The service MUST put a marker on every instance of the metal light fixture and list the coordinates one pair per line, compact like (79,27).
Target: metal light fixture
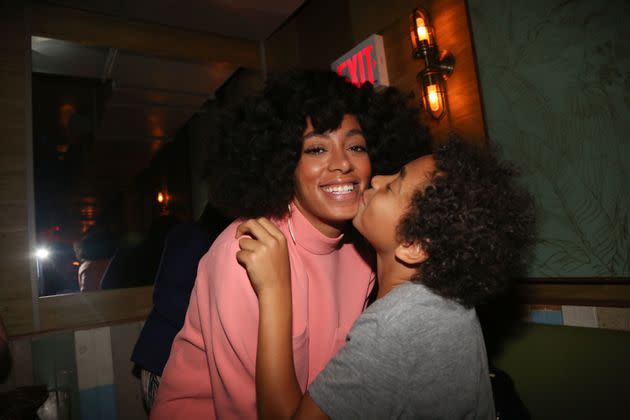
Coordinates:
(164,198)
(422,35)
(437,66)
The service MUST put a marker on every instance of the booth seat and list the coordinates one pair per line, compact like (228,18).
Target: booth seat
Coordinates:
(569,372)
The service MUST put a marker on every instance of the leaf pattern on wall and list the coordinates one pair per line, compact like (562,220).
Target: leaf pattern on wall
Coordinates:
(555,77)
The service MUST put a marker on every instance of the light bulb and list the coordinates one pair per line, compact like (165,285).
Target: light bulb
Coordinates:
(423,34)
(434,97)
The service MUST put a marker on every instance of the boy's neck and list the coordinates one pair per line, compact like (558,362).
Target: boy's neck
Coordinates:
(391,273)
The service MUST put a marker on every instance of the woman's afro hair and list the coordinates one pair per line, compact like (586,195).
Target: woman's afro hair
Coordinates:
(257,144)
(475,222)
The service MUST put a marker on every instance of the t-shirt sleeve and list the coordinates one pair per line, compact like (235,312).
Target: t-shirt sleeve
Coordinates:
(353,383)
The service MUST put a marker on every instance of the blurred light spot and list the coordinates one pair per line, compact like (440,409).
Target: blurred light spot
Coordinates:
(42,253)
(65,113)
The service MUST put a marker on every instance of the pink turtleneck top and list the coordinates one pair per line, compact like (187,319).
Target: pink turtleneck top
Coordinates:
(211,370)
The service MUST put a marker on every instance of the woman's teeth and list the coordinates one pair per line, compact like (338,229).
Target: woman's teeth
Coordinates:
(339,189)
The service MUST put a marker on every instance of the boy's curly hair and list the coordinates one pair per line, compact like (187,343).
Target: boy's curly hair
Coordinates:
(475,222)
(258,144)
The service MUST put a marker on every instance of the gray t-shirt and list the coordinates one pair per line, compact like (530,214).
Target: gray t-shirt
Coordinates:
(411,355)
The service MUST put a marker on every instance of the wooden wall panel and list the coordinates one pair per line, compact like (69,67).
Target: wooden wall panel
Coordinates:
(141,37)
(13,174)
(21,372)
(402,68)
(282,48)
(94,308)
(314,37)
(324,32)
(451,23)
(17,314)
(611,295)
(370,16)
(389,19)
(15,282)
(14,259)
(355,20)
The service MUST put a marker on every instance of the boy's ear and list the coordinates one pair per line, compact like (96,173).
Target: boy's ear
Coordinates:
(412,253)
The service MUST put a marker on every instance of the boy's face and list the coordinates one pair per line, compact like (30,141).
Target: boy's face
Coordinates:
(383,205)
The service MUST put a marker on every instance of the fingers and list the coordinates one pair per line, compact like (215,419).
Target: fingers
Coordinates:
(262,244)
(262,229)
(253,228)
(271,229)
(248,244)
(243,257)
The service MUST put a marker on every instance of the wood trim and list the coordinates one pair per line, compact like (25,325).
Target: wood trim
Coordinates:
(91,309)
(30,180)
(592,294)
(577,280)
(16,297)
(141,37)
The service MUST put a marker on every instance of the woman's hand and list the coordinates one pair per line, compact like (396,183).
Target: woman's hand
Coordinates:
(264,254)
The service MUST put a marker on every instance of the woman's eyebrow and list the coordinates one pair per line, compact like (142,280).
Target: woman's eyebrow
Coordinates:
(350,133)
(354,132)
(312,134)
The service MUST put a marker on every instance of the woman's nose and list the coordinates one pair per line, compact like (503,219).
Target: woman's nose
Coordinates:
(339,161)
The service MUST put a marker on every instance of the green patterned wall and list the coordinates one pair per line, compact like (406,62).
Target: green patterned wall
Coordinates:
(555,81)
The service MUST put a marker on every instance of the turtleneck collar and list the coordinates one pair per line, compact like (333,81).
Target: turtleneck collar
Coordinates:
(308,237)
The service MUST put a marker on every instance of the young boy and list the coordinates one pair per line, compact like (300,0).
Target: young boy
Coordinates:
(449,232)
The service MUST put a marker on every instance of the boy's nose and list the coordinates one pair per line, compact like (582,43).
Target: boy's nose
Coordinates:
(377,181)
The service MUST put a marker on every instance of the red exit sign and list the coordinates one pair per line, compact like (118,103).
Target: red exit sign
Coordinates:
(364,63)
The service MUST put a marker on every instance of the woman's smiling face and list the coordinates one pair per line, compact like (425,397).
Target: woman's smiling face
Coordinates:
(383,205)
(331,175)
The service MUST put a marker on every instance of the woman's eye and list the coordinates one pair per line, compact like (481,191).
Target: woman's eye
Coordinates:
(314,150)
(358,148)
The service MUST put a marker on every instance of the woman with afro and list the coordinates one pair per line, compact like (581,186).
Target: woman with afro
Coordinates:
(300,154)
(450,230)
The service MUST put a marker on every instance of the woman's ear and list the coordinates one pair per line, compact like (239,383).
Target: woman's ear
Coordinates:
(411,253)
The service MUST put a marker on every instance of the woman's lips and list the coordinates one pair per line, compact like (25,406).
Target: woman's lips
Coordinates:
(342,191)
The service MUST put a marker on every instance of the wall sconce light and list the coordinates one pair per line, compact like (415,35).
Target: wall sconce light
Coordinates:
(437,66)
(163,198)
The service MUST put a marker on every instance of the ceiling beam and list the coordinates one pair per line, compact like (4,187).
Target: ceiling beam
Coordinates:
(144,38)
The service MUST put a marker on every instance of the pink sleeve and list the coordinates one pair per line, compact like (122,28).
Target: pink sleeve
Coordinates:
(200,377)
(233,319)
(185,391)
(234,327)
